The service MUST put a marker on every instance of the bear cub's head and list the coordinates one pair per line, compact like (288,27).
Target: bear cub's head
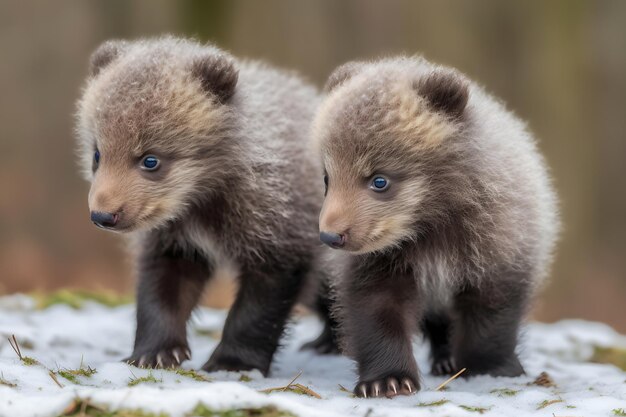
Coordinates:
(153,126)
(386,131)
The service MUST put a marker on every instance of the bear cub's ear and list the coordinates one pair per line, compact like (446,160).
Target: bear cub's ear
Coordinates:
(217,74)
(446,90)
(104,55)
(343,73)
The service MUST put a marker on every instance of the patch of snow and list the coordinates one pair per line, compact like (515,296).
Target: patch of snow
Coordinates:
(97,336)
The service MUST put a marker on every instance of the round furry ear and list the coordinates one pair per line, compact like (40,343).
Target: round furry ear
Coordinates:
(104,55)
(217,74)
(342,73)
(446,91)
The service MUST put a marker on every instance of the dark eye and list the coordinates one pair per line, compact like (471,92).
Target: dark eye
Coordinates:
(150,163)
(379,183)
(325,184)
(95,161)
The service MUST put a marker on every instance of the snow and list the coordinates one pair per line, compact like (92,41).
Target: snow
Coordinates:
(60,337)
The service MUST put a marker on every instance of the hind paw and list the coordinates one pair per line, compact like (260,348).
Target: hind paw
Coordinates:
(443,366)
(322,346)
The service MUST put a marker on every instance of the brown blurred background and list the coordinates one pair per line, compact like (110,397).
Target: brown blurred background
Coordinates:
(561,65)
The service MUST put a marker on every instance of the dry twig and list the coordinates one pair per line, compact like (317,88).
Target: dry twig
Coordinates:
(15,346)
(293,387)
(293,380)
(55,379)
(452,378)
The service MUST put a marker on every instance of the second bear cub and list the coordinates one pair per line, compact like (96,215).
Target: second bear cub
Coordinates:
(445,207)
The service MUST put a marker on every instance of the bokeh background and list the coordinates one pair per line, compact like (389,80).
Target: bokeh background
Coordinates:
(561,65)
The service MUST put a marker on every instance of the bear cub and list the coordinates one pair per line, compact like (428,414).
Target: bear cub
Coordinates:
(445,217)
(203,162)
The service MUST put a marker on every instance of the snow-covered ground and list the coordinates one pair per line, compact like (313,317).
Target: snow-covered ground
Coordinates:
(61,338)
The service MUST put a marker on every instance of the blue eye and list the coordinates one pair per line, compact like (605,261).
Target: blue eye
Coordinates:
(96,157)
(150,163)
(379,184)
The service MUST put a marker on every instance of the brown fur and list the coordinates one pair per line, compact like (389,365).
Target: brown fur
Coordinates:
(458,242)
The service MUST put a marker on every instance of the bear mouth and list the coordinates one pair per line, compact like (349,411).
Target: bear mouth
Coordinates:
(116,229)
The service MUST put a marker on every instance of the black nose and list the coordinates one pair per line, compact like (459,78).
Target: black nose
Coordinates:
(103,219)
(334,240)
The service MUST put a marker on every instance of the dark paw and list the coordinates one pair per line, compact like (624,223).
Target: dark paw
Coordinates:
(164,358)
(231,364)
(388,387)
(509,367)
(237,358)
(323,345)
(443,366)
(512,368)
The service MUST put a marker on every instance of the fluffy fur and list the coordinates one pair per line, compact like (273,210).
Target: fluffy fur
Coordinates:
(237,187)
(457,244)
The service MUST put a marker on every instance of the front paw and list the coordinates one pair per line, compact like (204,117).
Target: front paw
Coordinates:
(387,387)
(159,358)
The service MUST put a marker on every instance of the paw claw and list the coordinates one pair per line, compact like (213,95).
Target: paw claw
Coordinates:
(406,383)
(376,389)
(393,385)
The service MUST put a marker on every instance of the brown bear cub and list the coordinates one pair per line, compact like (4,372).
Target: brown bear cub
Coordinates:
(445,210)
(203,161)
